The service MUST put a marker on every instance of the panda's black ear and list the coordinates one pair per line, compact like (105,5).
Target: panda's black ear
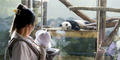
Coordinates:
(60,25)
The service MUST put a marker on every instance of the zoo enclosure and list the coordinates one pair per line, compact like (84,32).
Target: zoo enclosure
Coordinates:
(101,21)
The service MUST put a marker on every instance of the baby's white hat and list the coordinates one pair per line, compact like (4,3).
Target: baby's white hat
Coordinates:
(43,38)
(39,32)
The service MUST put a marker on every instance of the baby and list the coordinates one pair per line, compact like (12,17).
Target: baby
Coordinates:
(43,38)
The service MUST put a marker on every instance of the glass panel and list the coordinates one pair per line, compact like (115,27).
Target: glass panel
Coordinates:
(74,48)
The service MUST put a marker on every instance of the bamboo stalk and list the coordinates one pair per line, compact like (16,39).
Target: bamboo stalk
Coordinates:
(77,12)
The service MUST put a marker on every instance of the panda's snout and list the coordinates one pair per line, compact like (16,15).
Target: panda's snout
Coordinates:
(69,27)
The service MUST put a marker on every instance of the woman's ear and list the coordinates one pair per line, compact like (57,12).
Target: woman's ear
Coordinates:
(30,27)
(27,29)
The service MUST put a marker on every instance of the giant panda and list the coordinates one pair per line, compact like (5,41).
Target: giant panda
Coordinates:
(73,24)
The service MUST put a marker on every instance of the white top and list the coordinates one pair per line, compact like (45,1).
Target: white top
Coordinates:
(21,51)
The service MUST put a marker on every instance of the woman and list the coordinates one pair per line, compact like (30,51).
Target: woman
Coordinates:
(21,45)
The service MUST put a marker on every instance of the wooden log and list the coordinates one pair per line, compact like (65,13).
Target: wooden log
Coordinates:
(112,35)
(111,24)
(83,28)
(94,8)
(77,12)
(108,24)
(112,19)
(101,17)
(82,34)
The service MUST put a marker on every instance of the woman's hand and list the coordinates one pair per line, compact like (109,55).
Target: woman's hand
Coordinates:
(43,53)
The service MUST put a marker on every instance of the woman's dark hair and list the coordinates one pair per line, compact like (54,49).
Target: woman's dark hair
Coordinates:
(23,17)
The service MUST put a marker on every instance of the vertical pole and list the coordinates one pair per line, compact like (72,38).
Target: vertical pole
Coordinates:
(41,14)
(35,9)
(101,21)
(45,13)
(101,17)
(25,2)
(30,4)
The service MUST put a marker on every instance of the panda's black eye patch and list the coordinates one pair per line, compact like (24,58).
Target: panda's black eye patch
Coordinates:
(66,24)
(60,25)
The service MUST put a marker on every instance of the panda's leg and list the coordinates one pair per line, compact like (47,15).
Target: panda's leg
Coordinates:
(76,28)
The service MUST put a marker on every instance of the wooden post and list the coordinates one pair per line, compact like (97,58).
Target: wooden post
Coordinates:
(45,13)
(77,12)
(110,38)
(36,15)
(36,5)
(101,17)
(30,4)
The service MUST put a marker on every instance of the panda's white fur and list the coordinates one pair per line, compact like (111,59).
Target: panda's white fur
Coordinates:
(81,22)
(68,25)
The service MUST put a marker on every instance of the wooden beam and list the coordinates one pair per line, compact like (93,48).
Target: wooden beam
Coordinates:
(101,17)
(94,8)
(110,38)
(80,34)
(112,19)
(111,24)
(108,24)
(72,33)
(77,12)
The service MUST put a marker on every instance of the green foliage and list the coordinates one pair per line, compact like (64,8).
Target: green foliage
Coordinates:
(5,24)
(77,46)
(80,45)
